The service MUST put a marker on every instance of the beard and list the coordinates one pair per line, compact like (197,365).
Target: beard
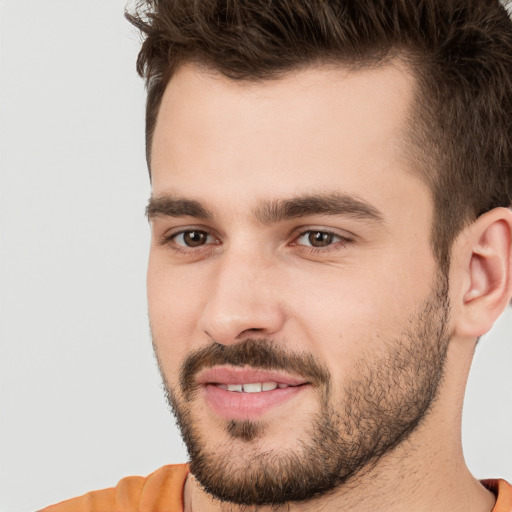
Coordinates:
(383,402)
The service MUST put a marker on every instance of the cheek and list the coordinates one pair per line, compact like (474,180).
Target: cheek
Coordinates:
(172,290)
(173,306)
(357,312)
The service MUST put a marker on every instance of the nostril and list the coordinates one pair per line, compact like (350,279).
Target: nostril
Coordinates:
(250,331)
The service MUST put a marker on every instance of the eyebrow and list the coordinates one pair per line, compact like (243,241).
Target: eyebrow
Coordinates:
(317,204)
(170,206)
(274,211)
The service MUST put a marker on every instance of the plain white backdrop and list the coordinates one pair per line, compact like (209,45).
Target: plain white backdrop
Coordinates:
(81,404)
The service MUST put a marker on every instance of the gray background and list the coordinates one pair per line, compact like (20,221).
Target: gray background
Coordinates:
(80,398)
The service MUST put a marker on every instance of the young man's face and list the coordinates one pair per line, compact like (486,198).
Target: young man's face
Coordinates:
(296,308)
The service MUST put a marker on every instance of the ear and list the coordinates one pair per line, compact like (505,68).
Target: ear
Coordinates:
(485,257)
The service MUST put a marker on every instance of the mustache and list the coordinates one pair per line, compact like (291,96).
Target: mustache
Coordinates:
(263,354)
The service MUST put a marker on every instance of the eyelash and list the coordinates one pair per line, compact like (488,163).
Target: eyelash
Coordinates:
(169,241)
(332,246)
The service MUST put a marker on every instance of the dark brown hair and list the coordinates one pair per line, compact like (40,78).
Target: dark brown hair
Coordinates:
(459,50)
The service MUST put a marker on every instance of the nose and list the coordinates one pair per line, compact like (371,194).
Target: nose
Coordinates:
(243,300)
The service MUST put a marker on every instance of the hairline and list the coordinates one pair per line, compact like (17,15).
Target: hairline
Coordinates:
(390,58)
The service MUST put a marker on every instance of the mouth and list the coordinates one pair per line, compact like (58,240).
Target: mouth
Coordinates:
(253,387)
(247,393)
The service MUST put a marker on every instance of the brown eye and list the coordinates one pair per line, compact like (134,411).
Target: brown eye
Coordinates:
(192,238)
(317,239)
(320,238)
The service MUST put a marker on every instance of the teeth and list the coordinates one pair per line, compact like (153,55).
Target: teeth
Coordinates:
(253,387)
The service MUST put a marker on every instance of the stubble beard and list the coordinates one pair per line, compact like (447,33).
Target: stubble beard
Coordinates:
(382,405)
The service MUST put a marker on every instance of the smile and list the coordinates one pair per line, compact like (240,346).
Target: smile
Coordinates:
(246,393)
(253,387)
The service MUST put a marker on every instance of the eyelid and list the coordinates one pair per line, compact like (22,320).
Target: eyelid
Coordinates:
(341,241)
(169,235)
(176,236)
(334,235)
(344,235)
(167,238)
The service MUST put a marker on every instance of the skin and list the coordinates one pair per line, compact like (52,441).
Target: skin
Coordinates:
(235,146)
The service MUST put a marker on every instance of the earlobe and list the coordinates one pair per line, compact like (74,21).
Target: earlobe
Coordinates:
(488,267)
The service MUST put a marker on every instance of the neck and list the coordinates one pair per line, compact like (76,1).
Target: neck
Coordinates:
(426,473)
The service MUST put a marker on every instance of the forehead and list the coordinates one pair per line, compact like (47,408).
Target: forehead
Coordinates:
(324,127)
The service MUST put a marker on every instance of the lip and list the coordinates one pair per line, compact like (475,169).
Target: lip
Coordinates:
(232,405)
(243,375)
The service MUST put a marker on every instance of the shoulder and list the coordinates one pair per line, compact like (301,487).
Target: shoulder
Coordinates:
(503,492)
(160,491)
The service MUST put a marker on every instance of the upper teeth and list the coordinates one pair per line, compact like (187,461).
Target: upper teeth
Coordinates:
(254,387)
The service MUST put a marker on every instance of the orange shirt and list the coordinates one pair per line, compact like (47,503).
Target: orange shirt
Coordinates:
(162,491)
(503,492)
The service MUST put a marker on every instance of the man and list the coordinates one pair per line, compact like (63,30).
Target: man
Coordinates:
(331,234)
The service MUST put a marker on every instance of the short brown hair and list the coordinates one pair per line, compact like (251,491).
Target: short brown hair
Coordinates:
(459,50)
